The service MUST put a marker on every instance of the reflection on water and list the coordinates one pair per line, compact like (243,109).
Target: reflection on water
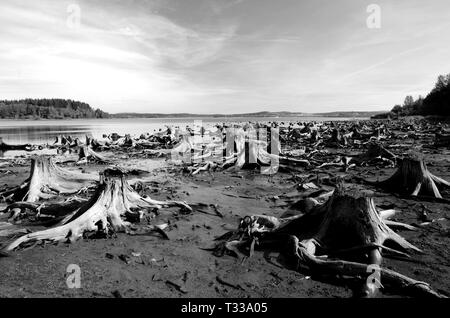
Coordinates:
(19,153)
(43,132)
(39,134)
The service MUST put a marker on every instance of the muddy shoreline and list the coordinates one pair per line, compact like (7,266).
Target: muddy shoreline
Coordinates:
(150,266)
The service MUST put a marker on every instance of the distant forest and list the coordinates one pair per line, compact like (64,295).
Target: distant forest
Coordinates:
(249,115)
(436,103)
(48,109)
(62,108)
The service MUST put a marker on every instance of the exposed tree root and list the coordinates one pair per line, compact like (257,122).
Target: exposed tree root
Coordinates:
(111,208)
(388,278)
(347,225)
(18,210)
(413,178)
(86,155)
(47,180)
(8,230)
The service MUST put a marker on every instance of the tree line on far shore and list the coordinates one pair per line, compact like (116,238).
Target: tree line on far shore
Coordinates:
(48,109)
(436,103)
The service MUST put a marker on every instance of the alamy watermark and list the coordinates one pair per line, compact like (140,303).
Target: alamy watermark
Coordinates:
(74,16)
(73,280)
(374,19)
(374,279)
(250,145)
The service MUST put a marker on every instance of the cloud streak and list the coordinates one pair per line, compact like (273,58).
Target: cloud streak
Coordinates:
(210,56)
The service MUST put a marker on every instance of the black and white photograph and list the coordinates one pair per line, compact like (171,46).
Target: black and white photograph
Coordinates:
(218,150)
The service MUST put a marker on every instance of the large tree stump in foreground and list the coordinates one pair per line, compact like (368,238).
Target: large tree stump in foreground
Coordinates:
(111,208)
(47,180)
(413,178)
(346,236)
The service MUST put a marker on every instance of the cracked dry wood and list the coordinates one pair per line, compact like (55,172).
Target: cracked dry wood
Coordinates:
(108,210)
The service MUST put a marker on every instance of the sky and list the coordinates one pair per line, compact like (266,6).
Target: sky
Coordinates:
(223,56)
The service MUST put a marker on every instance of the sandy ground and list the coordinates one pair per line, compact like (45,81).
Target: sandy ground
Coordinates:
(149,266)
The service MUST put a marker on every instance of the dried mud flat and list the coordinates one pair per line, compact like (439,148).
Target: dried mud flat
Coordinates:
(150,266)
(178,267)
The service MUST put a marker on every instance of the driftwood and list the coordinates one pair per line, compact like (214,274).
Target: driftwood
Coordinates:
(47,180)
(345,236)
(114,205)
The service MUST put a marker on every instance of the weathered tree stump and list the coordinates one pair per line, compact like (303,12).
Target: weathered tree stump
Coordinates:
(344,236)
(110,209)
(47,180)
(375,152)
(86,154)
(413,178)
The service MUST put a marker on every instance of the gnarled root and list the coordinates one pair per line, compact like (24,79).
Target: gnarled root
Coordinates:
(382,277)
(347,226)
(110,208)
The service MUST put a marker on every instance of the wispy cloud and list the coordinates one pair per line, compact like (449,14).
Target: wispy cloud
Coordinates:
(222,55)
(386,61)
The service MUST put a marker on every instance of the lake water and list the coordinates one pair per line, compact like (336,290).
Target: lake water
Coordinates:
(45,131)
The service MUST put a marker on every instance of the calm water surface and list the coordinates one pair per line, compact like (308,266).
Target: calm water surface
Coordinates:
(45,131)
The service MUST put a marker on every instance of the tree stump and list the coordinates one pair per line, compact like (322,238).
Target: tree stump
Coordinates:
(108,210)
(345,236)
(47,180)
(413,178)
(86,155)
